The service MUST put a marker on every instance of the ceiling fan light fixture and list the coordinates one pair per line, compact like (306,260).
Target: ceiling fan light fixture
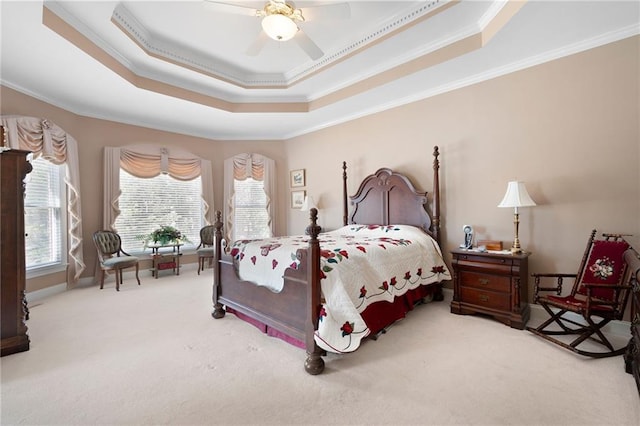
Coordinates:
(279,27)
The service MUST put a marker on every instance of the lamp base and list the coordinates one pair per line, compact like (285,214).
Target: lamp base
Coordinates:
(515,247)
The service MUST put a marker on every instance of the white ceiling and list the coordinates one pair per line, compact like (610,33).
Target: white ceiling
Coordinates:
(194,77)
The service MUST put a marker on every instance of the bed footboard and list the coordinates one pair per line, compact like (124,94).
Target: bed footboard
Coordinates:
(294,311)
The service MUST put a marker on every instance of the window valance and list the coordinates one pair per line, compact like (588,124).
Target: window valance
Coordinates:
(147,161)
(44,138)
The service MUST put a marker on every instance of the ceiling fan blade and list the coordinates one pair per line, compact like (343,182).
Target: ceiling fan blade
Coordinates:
(258,44)
(232,8)
(327,11)
(308,45)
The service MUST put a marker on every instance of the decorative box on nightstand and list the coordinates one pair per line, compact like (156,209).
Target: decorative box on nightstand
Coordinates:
(493,284)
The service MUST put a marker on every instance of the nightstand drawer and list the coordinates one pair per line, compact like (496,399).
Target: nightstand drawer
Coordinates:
(487,299)
(485,281)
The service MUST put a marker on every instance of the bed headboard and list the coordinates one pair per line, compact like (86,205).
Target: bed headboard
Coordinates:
(387,197)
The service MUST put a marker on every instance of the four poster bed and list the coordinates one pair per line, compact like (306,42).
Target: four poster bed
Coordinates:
(326,292)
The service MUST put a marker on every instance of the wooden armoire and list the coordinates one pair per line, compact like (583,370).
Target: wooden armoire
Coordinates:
(14,167)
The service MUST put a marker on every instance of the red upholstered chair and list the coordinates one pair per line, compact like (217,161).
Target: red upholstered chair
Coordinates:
(599,295)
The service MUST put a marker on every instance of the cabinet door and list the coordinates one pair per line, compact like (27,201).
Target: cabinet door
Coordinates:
(13,169)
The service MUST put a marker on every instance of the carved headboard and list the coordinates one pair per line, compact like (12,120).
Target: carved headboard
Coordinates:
(387,198)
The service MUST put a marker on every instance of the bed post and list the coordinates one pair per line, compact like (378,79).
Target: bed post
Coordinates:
(345,214)
(314,363)
(436,194)
(438,295)
(218,312)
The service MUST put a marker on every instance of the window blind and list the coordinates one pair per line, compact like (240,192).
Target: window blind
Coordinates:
(43,219)
(148,203)
(251,217)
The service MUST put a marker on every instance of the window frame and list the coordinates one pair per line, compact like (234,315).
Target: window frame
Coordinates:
(61,266)
(265,225)
(187,247)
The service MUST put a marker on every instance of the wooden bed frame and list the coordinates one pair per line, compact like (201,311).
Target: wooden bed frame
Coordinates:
(383,198)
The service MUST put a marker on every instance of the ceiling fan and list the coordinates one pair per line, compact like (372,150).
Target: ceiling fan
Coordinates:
(281,20)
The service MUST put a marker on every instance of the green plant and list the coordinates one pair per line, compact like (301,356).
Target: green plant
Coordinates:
(164,235)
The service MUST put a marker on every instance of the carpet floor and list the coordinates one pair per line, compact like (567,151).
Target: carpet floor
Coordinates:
(153,355)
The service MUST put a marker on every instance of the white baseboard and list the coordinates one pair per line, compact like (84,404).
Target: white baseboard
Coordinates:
(618,328)
(37,295)
(539,315)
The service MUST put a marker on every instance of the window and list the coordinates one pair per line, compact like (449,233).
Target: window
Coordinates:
(250,197)
(251,217)
(45,216)
(147,203)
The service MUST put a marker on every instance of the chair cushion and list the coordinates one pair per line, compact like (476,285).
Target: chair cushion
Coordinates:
(205,252)
(120,262)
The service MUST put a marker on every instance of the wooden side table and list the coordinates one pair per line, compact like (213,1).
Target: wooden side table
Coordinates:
(163,260)
(493,284)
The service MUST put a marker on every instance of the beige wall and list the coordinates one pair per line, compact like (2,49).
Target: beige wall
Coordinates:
(93,134)
(568,128)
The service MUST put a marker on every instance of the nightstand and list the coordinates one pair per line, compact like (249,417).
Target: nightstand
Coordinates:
(493,284)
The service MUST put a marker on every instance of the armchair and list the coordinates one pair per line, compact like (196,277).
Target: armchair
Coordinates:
(112,257)
(205,248)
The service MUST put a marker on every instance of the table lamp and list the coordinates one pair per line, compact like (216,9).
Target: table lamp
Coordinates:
(516,196)
(308,204)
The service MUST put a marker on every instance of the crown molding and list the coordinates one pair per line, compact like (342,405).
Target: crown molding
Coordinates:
(168,51)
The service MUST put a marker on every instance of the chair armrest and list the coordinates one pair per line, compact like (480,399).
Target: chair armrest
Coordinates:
(558,287)
(610,286)
(555,275)
(123,252)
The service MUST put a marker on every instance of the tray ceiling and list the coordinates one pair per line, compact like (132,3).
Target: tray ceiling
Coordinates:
(183,66)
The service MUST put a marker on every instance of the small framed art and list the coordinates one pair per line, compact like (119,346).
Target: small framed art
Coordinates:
(297,199)
(297,178)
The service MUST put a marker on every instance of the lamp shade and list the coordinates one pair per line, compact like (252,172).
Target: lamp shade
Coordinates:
(279,27)
(516,196)
(308,204)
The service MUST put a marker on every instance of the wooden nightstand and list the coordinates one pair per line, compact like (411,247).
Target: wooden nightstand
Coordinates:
(492,284)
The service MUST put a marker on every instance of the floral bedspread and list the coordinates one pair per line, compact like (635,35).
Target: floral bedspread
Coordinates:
(360,265)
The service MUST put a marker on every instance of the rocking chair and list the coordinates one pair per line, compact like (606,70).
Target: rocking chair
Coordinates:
(599,295)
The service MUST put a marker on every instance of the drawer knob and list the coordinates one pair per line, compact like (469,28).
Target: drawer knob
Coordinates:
(483,281)
(484,298)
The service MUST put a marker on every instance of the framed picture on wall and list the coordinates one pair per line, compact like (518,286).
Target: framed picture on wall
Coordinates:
(297,198)
(297,178)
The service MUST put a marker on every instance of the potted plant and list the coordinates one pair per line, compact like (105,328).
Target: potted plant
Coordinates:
(163,236)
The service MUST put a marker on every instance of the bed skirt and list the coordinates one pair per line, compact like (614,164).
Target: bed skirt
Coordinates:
(377,316)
